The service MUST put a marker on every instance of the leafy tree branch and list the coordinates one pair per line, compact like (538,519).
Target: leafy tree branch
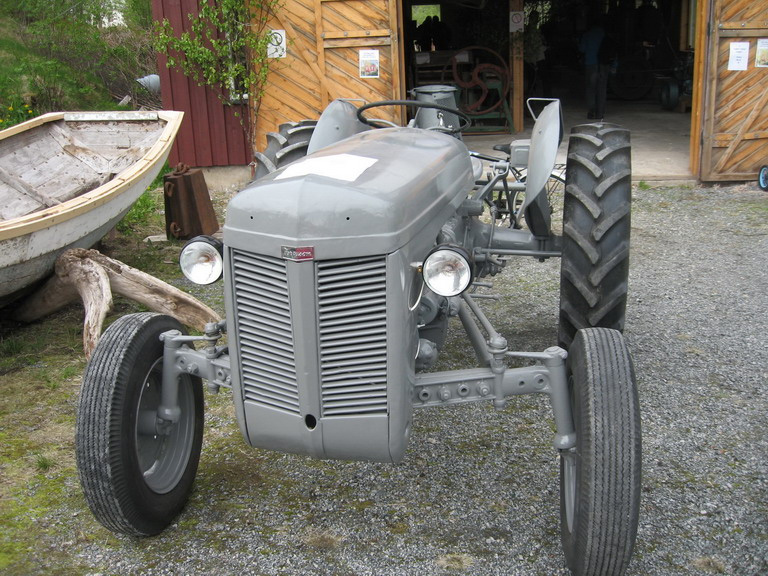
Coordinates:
(224,48)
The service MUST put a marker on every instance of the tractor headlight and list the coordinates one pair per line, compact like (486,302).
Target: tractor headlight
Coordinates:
(201,260)
(447,270)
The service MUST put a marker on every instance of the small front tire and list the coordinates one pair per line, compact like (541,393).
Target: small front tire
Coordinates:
(136,478)
(600,477)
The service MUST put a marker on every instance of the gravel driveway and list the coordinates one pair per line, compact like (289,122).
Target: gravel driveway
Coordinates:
(478,491)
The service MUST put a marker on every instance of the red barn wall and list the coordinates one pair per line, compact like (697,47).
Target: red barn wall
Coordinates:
(211,133)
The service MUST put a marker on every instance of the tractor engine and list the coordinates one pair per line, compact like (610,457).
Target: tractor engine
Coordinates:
(322,290)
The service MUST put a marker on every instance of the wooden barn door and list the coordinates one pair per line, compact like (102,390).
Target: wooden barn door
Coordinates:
(735,121)
(351,29)
(335,49)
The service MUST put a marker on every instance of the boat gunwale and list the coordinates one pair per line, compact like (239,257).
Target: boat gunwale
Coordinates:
(47,217)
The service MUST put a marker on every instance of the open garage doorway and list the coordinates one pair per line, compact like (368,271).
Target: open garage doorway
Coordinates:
(468,44)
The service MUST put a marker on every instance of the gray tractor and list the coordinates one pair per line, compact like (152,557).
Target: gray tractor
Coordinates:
(342,265)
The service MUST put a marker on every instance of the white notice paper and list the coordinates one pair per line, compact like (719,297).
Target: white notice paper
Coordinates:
(738,58)
(516,22)
(277,47)
(346,167)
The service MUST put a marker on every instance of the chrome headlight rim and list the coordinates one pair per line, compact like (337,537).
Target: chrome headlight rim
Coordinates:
(438,265)
(202,260)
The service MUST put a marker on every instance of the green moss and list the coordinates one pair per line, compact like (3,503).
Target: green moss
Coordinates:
(362,505)
(26,542)
(398,528)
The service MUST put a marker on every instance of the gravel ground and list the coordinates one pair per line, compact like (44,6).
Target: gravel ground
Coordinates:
(477,493)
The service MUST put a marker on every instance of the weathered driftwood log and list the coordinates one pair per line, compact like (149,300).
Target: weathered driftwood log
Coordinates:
(93,277)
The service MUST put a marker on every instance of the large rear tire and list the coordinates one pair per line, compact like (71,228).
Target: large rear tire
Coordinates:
(136,479)
(288,144)
(600,478)
(596,229)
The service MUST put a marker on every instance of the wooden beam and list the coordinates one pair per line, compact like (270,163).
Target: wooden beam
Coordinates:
(705,78)
(516,66)
(357,34)
(325,94)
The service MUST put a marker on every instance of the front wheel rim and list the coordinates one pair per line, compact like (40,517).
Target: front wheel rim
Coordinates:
(163,457)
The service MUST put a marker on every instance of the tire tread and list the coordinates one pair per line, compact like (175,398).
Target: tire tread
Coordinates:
(100,438)
(596,230)
(610,492)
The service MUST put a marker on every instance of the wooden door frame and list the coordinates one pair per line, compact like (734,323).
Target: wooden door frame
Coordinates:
(700,66)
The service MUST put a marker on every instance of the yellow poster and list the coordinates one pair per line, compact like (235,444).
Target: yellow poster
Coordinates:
(761,55)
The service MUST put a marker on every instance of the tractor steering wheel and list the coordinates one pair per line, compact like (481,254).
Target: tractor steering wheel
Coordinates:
(465,121)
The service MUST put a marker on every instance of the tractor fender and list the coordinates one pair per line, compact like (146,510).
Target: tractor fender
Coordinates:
(545,139)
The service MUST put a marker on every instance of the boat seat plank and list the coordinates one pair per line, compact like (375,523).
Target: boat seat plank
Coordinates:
(78,149)
(80,186)
(38,164)
(107,140)
(54,173)
(22,187)
(13,203)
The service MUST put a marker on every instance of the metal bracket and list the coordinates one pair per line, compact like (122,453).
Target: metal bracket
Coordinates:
(476,384)
(211,363)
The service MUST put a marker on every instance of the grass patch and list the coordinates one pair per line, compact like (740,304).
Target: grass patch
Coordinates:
(37,467)
(455,562)
(322,540)
(31,84)
(143,213)
(42,508)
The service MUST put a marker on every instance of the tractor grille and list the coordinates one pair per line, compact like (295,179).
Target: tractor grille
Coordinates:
(264,328)
(353,336)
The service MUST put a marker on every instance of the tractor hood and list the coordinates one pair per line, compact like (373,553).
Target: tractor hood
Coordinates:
(370,193)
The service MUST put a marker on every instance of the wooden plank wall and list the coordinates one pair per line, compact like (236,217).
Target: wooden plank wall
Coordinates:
(296,87)
(324,38)
(735,127)
(211,133)
(352,25)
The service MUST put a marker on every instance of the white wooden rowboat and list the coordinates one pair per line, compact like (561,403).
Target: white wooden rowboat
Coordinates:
(66,179)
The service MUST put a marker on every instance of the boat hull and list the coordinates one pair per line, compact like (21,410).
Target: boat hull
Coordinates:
(30,245)
(27,259)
